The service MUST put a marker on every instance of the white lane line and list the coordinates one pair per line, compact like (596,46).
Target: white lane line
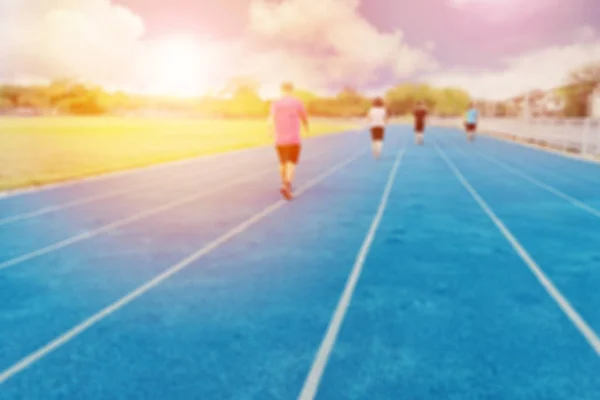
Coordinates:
(542,185)
(587,332)
(123,222)
(94,198)
(109,175)
(100,315)
(586,159)
(538,183)
(139,170)
(75,203)
(311,384)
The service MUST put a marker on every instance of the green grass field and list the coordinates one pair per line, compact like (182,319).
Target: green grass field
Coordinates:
(37,151)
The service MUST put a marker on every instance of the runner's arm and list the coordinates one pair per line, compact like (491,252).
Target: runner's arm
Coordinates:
(304,117)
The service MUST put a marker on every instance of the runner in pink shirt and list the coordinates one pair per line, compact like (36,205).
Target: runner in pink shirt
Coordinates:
(287,114)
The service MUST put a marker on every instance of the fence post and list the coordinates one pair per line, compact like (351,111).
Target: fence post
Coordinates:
(586,136)
(560,133)
(597,133)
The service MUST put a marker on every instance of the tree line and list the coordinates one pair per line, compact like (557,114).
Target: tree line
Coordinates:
(582,83)
(240,98)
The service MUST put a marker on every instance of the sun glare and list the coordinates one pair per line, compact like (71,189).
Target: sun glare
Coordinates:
(179,66)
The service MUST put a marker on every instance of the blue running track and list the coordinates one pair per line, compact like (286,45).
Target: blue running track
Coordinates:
(452,270)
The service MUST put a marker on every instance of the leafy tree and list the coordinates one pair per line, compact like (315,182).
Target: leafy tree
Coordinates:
(582,83)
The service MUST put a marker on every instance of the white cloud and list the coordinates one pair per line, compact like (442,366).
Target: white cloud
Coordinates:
(541,69)
(349,48)
(585,34)
(92,39)
(101,42)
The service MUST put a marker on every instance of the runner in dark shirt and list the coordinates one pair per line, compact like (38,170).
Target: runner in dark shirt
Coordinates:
(471,118)
(420,114)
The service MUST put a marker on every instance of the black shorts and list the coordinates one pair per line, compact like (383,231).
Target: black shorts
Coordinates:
(377,133)
(470,127)
(288,153)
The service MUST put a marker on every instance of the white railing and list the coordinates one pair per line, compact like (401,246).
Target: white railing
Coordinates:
(573,135)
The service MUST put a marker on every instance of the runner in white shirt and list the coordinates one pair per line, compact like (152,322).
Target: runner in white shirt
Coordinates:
(377,120)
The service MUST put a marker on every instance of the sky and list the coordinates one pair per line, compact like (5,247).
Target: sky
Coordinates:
(494,49)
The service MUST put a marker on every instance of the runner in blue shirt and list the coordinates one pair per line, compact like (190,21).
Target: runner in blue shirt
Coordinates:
(471,117)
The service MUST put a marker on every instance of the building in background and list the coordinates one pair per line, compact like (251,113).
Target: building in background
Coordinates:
(594,103)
